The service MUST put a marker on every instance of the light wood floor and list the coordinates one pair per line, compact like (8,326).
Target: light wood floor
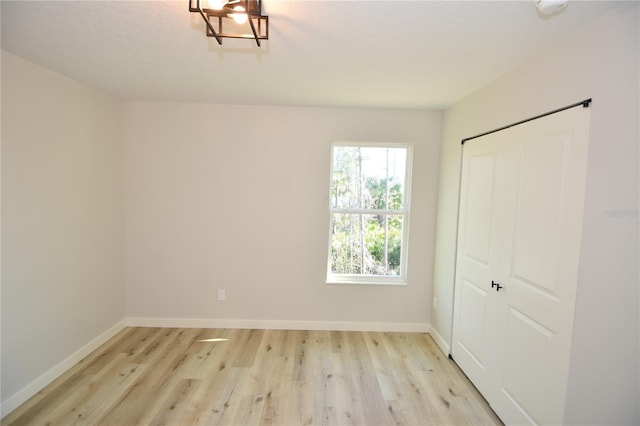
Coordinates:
(177,376)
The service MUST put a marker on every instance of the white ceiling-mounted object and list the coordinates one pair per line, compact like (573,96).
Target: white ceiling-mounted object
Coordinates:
(551,7)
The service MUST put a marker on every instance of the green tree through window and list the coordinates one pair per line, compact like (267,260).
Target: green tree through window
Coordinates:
(369,209)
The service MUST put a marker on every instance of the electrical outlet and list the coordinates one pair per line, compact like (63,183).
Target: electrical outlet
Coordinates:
(221,295)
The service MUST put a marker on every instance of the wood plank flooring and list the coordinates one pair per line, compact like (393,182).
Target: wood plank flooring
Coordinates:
(175,376)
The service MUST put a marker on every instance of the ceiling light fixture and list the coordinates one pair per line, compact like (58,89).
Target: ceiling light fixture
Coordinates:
(551,7)
(228,19)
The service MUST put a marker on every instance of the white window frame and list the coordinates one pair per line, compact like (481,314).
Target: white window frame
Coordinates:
(363,279)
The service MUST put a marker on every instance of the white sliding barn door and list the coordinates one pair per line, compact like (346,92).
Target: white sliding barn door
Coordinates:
(521,209)
(476,305)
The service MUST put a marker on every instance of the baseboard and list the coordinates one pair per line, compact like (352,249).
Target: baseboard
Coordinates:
(17,399)
(442,344)
(278,324)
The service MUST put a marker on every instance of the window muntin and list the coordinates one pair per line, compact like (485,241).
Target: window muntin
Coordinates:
(369,213)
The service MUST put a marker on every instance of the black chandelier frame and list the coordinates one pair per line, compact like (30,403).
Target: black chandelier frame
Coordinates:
(217,20)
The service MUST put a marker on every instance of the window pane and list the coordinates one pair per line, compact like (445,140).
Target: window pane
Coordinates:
(344,181)
(366,244)
(368,177)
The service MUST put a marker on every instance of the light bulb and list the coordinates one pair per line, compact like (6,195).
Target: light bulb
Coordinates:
(216,4)
(240,16)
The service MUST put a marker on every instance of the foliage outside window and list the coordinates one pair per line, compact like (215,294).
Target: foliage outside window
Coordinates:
(369,213)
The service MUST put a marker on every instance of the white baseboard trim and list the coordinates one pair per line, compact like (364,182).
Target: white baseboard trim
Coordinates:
(278,324)
(442,344)
(17,399)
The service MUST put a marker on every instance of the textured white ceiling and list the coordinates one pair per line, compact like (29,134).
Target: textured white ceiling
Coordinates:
(397,54)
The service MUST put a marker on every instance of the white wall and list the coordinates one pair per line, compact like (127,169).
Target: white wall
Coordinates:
(62,273)
(602,62)
(236,198)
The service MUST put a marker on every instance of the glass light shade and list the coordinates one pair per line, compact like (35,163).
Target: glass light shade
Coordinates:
(240,16)
(216,4)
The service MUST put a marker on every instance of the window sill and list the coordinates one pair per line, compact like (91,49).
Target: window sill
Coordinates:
(366,281)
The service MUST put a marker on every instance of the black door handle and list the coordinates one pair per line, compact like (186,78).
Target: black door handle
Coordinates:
(496,285)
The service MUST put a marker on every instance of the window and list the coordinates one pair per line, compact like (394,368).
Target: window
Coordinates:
(369,210)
